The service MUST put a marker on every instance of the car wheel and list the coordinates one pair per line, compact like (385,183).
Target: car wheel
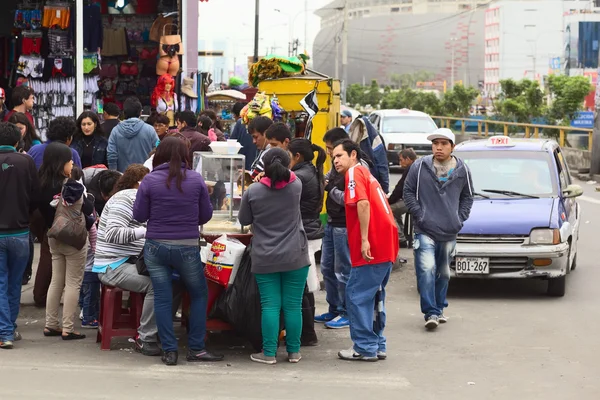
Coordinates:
(574,263)
(557,286)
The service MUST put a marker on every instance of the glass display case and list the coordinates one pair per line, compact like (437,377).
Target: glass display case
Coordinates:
(226,179)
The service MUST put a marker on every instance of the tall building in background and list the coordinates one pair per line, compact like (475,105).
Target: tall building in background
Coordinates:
(394,37)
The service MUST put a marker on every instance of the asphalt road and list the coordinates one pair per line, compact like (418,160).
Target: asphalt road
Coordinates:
(504,340)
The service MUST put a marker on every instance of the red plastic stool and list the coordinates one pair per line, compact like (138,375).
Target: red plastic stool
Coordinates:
(116,321)
(214,325)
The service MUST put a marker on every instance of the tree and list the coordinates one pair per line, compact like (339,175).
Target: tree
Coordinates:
(355,94)
(568,93)
(520,101)
(458,101)
(373,96)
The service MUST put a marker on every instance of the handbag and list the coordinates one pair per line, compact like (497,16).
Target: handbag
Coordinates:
(69,225)
(140,264)
(170,45)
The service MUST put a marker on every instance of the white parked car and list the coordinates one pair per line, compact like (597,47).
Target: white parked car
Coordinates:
(403,128)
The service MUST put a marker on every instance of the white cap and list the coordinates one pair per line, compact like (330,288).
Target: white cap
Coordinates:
(442,133)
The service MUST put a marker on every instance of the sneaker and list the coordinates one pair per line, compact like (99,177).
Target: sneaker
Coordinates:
(261,358)
(325,317)
(81,315)
(17,336)
(432,322)
(6,344)
(351,355)
(338,322)
(382,355)
(149,349)
(443,319)
(294,357)
(170,358)
(203,355)
(89,325)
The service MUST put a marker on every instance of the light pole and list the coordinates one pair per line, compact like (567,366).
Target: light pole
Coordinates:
(256,22)
(452,44)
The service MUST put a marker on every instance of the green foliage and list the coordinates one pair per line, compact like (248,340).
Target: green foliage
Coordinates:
(400,81)
(355,94)
(568,94)
(457,102)
(520,101)
(373,96)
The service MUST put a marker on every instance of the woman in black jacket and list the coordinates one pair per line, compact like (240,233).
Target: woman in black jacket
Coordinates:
(311,204)
(68,263)
(89,140)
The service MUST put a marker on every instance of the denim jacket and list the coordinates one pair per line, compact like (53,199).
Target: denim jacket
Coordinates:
(99,155)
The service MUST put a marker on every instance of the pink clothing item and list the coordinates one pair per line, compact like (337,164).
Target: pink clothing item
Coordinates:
(279,185)
(212,135)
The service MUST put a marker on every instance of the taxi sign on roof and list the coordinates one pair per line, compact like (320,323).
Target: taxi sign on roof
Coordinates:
(500,141)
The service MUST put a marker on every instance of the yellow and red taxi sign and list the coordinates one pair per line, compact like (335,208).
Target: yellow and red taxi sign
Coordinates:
(500,141)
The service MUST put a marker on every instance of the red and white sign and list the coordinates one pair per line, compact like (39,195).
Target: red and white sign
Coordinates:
(500,141)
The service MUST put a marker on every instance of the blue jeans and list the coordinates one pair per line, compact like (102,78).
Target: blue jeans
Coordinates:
(159,258)
(14,254)
(90,296)
(335,267)
(432,265)
(361,294)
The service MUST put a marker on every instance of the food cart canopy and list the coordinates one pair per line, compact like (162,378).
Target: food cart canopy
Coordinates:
(221,95)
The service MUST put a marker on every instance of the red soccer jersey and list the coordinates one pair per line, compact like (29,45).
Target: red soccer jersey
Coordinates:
(383,232)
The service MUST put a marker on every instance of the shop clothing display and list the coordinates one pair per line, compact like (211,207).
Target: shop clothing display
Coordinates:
(30,66)
(58,42)
(92,28)
(58,68)
(115,42)
(28,19)
(56,16)
(31,43)
(168,108)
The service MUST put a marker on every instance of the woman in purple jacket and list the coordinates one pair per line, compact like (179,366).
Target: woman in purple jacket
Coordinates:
(175,201)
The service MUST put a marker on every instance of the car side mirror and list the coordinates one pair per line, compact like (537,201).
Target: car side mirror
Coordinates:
(572,191)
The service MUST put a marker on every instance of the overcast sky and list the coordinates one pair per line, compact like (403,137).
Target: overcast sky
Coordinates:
(233,21)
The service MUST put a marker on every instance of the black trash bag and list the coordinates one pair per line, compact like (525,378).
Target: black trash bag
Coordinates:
(240,306)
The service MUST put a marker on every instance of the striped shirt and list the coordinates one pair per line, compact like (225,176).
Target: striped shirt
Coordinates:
(116,236)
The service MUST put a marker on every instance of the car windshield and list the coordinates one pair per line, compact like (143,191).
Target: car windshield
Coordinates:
(408,124)
(526,173)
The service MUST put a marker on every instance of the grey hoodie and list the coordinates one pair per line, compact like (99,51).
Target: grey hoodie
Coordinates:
(130,143)
(439,209)
(279,243)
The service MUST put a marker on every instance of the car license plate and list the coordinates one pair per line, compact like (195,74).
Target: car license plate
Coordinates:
(472,265)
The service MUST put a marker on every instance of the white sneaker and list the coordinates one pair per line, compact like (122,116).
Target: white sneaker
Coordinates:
(443,319)
(351,355)
(432,322)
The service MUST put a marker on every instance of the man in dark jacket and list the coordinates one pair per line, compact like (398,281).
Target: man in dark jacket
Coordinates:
(132,140)
(407,158)
(335,253)
(18,177)
(111,118)
(366,135)
(240,133)
(186,124)
(439,194)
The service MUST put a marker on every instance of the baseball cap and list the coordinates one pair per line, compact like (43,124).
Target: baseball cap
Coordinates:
(346,113)
(2,94)
(442,133)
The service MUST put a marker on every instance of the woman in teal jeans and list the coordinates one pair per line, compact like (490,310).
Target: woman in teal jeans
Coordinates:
(279,252)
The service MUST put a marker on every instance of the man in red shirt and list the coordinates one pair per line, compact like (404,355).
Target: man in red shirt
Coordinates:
(373,241)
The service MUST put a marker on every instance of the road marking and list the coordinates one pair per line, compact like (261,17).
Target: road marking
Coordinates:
(589,199)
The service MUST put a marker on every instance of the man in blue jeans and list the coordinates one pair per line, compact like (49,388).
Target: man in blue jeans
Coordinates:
(335,253)
(20,187)
(439,194)
(373,240)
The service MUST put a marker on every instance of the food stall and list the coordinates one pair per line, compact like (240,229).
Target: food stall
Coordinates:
(221,102)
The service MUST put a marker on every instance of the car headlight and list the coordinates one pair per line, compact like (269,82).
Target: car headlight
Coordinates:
(544,236)
(395,146)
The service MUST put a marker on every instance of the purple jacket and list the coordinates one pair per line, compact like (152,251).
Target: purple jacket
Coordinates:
(171,214)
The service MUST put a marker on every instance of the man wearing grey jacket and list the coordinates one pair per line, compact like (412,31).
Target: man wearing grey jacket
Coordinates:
(439,194)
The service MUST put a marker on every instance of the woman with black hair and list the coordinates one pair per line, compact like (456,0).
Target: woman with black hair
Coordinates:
(89,140)
(29,136)
(279,252)
(67,262)
(302,153)
(175,201)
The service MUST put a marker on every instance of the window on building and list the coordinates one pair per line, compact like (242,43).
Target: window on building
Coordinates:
(464,6)
(395,9)
(407,9)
